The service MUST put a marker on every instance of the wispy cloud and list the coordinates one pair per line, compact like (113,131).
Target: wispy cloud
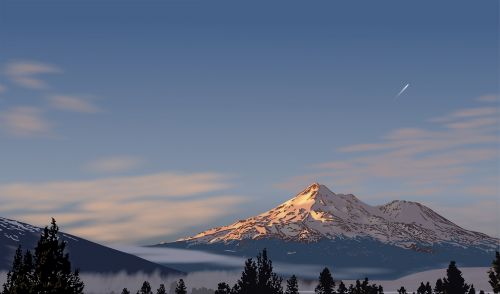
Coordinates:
(429,162)
(114,164)
(117,209)
(24,121)
(27,73)
(72,103)
(29,120)
(488,98)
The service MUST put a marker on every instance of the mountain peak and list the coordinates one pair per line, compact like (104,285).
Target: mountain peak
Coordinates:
(313,190)
(317,213)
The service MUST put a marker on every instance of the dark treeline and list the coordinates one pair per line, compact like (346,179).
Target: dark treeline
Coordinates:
(48,271)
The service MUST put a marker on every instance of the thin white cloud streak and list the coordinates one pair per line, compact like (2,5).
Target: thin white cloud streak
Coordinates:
(25,121)
(435,162)
(121,209)
(403,90)
(114,164)
(73,104)
(181,256)
(26,73)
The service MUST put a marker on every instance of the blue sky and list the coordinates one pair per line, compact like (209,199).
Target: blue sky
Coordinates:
(239,106)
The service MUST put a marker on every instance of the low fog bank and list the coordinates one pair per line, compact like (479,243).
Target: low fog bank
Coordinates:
(179,258)
(108,283)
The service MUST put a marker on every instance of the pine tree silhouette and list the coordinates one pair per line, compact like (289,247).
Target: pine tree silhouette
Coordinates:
(402,290)
(326,283)
(236,289)
(428,288)
(494,274)
(52,269)
(342,289)
(268,282)
(380,290)
(357,287)
(20,277)
(145,289)
(161,290)
(223,288)
(292,286)
(125,291)
(181,287)
(472,290)
(421,289)
(248,281)
(439,287)
(454,282)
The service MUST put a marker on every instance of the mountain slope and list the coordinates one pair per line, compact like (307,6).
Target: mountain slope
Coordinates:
(318,224)
(85,255)
(317,213)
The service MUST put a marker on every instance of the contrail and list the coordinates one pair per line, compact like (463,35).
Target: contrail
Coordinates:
(402,90)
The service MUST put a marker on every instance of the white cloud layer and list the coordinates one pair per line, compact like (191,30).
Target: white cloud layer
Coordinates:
(72,103)
(26,73)
(24,121)
(119,209)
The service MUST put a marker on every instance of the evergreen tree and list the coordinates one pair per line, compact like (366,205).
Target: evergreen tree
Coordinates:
(181,287)
(125,291)
(342,288)
(264,272)
(248,281)
(481,292)
(472,290)
(145,289)
(357,287)
(428,288)
(380,290)
(52,268)
(236,289)
(28,271)
(421,289)
(20,277)
(326,283)
(268,282)
(161,290)
(454,282)
(439,288)
(292,286)
(223,288)
(402,290)
(494,274)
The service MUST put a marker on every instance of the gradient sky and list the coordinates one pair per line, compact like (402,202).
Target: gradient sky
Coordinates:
(140,121)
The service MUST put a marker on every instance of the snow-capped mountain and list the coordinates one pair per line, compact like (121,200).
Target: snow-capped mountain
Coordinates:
(85,255)
(318,224)
(317,213)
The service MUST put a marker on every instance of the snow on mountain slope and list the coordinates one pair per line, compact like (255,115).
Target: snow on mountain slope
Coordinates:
(317,214)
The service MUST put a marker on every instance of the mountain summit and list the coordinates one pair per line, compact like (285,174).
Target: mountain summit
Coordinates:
(317,213)
(318,226)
